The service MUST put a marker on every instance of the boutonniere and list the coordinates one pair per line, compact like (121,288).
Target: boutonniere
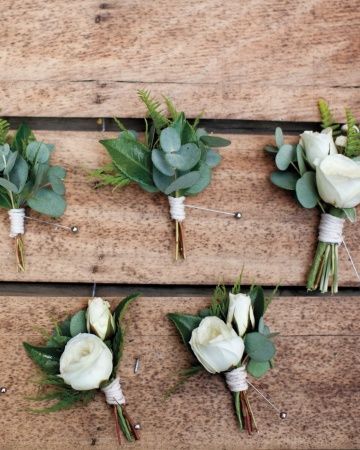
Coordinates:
(231,338)
(82,355)
(175,157)
(325,174)
(27,180)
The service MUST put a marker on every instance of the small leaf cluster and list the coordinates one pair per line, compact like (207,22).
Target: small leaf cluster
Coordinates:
(259,347)
(47,357)
(26,176)
(175,157)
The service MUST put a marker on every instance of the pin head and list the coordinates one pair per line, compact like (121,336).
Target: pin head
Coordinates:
(283,415)
(74,229)
(137,426)
(3,390)
(237,215)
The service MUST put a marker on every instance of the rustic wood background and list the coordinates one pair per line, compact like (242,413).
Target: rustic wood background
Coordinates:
(253,64)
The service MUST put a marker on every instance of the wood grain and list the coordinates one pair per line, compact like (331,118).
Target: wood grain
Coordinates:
(316,380)
(126,236)
(259,60)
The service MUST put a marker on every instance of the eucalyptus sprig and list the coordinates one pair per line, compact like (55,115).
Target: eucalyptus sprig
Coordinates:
(230,337)
(175,157)
(28,180)
(81,355)
(322,174)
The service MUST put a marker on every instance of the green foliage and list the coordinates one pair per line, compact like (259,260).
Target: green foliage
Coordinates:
(4,130)
(257,368)
(327,119)
(46,358)
(258,347)
(171,108)
(78,323)
(153,106)
(185,324)
(352,148)
(109,175)
(306,190)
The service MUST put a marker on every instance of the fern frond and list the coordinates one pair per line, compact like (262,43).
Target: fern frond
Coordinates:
(171,108)
(352,148)
(327,119)
(108,175)
(153,107)
(4,129)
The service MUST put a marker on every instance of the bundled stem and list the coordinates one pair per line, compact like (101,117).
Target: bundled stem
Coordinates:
(244,412)
(125,423)
(180,251)
(20,253)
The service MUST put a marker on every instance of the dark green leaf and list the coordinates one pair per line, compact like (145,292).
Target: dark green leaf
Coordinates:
(183,182)
(131,157)
(46,358)
(148,188)
(186,158)
(258,303)
(214,141)
(188,134)
(259,347)
(5,201)
(185,324)
(257,368)
(160,162)
(306,190)
(271,149)
(78,323)
(170,140)
(22,137)
(284,180)
(47,202)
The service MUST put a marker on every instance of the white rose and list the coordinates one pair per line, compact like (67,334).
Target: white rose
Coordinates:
(317,145)
(85,362)
(99,319)
(240,310)
(216,345)
(338,181)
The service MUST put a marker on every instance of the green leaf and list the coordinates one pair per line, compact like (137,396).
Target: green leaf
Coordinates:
(258,303)
(160,162)
(8,185)
(161,181)
(22,137)
(279,137)
(37,152)
(19,173)
(185,324)
(212,159)
(56,175)
(131,157)
(202,183)
(271,149)
(300,159)
(350,214)
(170,140)
(58,341)
(214,141)
(183,182)
(47,358)
(188,134)
(262,328)
(121,308)
(284,180)
(257,368)
(5,201)
(10,162)
(285,156)
(47,202)
(148,188)
(184,159)
(306,190)
(78,323)
(259,347)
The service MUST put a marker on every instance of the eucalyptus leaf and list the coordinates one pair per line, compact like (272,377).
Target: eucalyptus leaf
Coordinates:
(185,324)
(257,368)
(10,162)
(186,158)
(214,141)
(262,328)
(350,214)
(306,190)
(271,149)
(285,156)
(285,180)
(212,159)
(259,347)
(202,183)
(37,152)
(19,173)
(161,163)
(47,202)
(4,151)
(8,185)
(161,181)
(183,182)
(78,323)
(300,159)
(201,132)
(170,140)
(279,137)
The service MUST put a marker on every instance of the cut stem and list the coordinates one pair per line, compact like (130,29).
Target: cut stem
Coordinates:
(20,253)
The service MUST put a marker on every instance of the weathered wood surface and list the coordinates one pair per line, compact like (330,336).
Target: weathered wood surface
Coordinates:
(251,60)
(316,380)
(126,236)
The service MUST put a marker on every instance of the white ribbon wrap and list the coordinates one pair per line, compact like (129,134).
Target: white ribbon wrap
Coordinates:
(17,221)
(330,229)
(236,379)
(177,208)
(113,393)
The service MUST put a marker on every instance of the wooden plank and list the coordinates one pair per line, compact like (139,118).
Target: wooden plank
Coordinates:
(127,236)
(316,380)
(256,60)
